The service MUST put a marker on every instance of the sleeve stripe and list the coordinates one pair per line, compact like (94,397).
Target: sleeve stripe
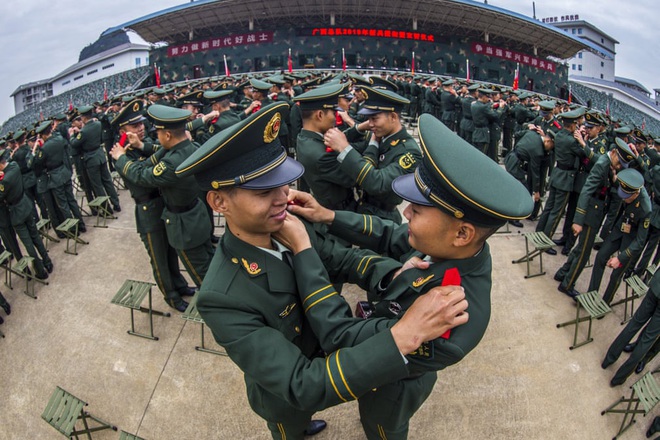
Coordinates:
(316,292)
(371,225)
(364,269)
(332,381)
(363,173)
(364,229)
(319,300)
(343,379)
(125,170)
(580,210)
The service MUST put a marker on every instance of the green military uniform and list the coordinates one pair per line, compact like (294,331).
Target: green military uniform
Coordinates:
(20,156)
(382,162)
(654,228)
(149,207)
(525,161)
(20,215)
(466,126)
(483,116)
(332,187)
(448,102)
(186,220)
(53,174)
(568,153)
(442,181)
(88,143)
(628,235)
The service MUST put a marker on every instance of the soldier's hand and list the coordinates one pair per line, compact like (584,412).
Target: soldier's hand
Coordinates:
(293,234)
(430,316)
(210,116)
(335,139)
(614,263)
(413,263)
(134,140)
(117,151)
(576,229)
(306,206)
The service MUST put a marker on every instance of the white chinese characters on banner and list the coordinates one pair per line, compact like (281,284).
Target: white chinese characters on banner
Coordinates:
(220,42)
(522,58)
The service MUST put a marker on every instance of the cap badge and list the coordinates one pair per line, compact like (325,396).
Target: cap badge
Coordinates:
(272,128)
(136,107)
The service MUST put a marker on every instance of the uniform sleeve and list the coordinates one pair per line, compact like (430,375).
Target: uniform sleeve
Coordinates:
(372,232)
(265,355)
(378,181)
(146,173)
(535,171)
(593,183)
(635,247)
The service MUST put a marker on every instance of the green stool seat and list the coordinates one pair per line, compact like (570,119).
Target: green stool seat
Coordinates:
(63,412)
(191,314)
(102,206)
(539,244)
(43,226)
(69,227)
(635,289)
(21,269)
(595,307)
(645,393)
(130,295)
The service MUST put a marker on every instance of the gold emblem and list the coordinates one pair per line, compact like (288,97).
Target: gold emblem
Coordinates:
(79,136)
(2,188)
(211,129)
(234,260)
(287,310)
(420,281)
(224,85)
(406,161)
(136,107)
(215,184)
(251,268)
(159,168)
(394,143)
(272,128)
(647,222)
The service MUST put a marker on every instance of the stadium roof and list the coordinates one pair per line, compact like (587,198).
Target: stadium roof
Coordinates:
(193,20)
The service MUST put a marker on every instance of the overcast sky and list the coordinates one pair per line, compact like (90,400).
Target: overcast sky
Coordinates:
(40,39)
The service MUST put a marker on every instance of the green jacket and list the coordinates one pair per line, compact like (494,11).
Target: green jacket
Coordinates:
(250,300)
(186,219)
(568,152)
(638,215)
(331,186)
(483,115)
(595,195)
(13,196)
(21,156)
(526,160)
(50,163)
(385,237)
(87,143)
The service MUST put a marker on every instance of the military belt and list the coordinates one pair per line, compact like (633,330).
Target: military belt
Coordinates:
(147,197)
(182,209)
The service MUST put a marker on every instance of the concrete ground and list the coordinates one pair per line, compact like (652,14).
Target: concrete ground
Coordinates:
(521,382)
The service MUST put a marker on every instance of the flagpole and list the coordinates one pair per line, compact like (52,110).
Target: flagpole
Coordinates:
(227,73)
(412,70)
(290,62)
(467,70)
(343,60)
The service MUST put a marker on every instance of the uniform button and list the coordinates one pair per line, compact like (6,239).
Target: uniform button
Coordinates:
(596,206)
(167,221)
(144,207)
(297,329)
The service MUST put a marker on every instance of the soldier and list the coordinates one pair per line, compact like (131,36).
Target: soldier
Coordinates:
(466,126)
(87,142)
(570,148)
(449,222)
(592,205)
(391,152)
(448,102)
(483,116)
(149,209)
(20,214)
(224,116)
(187,222)
(525,162)
(332,187)
(627,238)
(54,176)
(21,156)
(238,300)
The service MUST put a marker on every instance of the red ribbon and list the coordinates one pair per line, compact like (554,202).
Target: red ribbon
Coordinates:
(451,278)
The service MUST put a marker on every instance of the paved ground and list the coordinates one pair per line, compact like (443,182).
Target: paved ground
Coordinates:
(521,382)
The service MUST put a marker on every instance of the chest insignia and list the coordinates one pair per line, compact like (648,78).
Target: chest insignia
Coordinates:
(647,222)
(251,268)
(212,129)
(159,169)
(394,143)
(406,161)
(79,136)
(425,351)
(420,281)
(287,310)
(2,187)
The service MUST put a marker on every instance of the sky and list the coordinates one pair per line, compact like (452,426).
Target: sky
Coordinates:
(38,42)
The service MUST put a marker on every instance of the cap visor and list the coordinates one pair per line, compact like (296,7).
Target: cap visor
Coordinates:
(284,174)
(368,111)
(405,187)
(624,195)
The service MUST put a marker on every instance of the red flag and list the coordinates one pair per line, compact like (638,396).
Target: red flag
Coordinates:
(467,70)
(227,73)
(343,60)
(570,94)
(451,278)
(105,91)
(412,70)
(70,103)
(290,63)
(644,124)
(516,78)
(607,109)
(157,75)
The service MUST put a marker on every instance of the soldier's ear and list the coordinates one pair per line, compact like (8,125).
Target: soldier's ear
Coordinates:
(217,200)
(465,234)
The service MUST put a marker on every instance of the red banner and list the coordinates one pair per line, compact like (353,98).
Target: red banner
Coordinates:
(510,55)
(220,42)
(382,33)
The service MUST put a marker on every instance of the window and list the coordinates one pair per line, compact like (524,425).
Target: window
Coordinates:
(579,31)
(77,77)
(580,67)
(107,66)
(602,64)
(573,67)
(66,82)
(602,41)
(580,55)
(601,76)
(91,72)
(138,62)
(573,31)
